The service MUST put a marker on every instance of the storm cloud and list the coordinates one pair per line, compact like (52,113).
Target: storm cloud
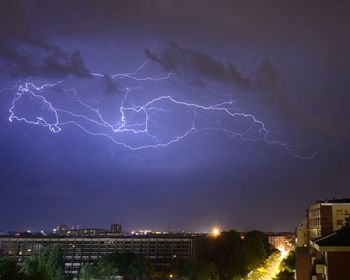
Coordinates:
(23,54)
(195,65)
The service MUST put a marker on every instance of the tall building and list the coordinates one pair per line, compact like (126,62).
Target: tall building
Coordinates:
(324,217)
(116,228)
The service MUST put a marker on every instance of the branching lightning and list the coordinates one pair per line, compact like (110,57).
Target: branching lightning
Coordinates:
(136,121)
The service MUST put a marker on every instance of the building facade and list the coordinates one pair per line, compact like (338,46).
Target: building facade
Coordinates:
(77,251)
(322,218)
(330,256)
(301,232)
(327,216)
(282,241)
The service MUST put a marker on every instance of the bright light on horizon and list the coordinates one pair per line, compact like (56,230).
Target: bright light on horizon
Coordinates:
(215,232)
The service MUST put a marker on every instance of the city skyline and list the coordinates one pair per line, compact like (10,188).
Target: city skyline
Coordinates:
(167,115)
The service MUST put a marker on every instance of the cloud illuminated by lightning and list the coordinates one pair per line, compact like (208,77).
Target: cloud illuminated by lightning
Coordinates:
(138,126)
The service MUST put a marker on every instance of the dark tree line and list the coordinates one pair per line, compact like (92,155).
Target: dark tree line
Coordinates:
(48,265)
(230,255)
(227,256)
(128,265)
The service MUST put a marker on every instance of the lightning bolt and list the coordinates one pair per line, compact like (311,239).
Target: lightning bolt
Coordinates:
(139,126)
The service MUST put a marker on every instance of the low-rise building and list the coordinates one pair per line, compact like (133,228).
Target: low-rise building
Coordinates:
(161,250)
(284,241)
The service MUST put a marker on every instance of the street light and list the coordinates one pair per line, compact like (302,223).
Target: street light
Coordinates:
(215,232)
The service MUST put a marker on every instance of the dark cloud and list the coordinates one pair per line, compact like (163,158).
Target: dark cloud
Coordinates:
(23,55)
(266,89)
(197,67)
(194,65)
(273,91)
(110,87)
(25,58)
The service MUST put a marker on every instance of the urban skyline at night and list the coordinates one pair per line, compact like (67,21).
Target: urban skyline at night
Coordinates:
(222,117)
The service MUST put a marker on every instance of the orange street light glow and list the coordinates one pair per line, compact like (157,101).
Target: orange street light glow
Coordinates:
(215,232)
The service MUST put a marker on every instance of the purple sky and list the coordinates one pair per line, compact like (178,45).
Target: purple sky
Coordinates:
(281,68)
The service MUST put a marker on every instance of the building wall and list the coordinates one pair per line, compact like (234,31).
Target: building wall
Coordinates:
(324,218)
(302,234)
(340,213)
(338,265)
(313,221)
(282,242)
(81,250)
(302,264)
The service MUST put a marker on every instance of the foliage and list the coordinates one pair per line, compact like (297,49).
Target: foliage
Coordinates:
(48,265)
(254,249)
(128,265)
(201,271)
(97,272)
(9,270)
(289,262)
(285,275)
(89,272)
(233,256)
(55,264)
(287,267)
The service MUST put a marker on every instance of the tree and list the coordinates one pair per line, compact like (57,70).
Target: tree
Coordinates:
(226,254)
(287,267)
(285,275)
(9,269)
(289,262)
(232,256)
(201,271)
(100,271)
(55,264)
(89,272)
(39,275)
(139,268)
(128,264)
(48,265)
(254,249)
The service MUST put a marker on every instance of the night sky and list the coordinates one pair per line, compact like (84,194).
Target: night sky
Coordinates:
(253,127)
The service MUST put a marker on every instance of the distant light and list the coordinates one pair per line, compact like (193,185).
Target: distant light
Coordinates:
(283,252)
(171,276)
(215,232)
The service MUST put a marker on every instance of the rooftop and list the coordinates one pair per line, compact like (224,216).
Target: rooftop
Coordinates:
(335,241)
(334,200)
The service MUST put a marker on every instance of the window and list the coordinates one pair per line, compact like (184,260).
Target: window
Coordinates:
(339,211)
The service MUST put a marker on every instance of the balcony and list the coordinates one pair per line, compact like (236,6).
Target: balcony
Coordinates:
(321,269)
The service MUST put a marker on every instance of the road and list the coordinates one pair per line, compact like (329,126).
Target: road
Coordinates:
(269,269)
